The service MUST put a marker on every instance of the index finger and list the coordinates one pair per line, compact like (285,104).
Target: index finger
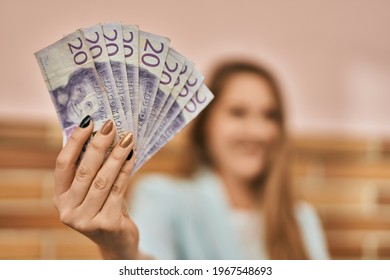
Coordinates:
(66,161)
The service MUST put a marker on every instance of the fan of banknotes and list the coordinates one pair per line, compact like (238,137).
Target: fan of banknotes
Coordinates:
(119,72)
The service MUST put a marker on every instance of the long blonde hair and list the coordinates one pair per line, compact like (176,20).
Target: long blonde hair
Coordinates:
(282,235)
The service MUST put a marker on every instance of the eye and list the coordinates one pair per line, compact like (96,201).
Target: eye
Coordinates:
(81,90)
(90,105)
(237,112)
(272,115)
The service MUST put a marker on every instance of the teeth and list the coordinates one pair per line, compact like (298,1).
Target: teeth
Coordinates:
(128,75)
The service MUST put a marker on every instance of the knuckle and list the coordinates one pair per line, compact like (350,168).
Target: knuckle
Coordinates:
(82,226)
(73,137)
(117,155)
(66,218)
(126,169)
(98,147)
(100,183)
(116,189)
(120,183)
(124,173)
(83,174)
(74,221)
(62,162)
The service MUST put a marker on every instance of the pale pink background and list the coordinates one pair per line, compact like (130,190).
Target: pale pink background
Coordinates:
(333,57)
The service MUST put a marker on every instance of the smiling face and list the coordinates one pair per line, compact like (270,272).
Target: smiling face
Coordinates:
(243,126)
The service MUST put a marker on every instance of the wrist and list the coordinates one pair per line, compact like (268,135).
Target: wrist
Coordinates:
(119,255)
(120,248)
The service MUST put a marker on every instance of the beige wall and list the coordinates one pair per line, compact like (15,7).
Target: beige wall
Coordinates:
(332,56)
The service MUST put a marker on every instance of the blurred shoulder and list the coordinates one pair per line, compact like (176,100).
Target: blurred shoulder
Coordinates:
(312,231)
(307,217)
(304,210)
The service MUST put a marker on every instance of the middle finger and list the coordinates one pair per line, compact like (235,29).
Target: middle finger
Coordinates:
(91,163)
(106,176)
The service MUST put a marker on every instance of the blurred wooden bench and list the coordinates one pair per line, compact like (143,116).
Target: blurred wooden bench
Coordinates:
(346,180)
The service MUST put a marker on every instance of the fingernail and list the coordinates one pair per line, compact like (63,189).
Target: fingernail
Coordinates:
(107,127)
(85,122)
(126,140)
(130,155)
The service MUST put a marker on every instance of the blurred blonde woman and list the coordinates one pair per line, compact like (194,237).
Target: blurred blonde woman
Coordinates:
(236,202)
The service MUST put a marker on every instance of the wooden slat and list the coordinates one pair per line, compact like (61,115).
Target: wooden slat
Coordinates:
(14,245)
(347,169)
(72,245)
(384,195)
(368,244)
(26,183)
(355,217)
(46,244)
(28,214)
(330,190)
(28,145)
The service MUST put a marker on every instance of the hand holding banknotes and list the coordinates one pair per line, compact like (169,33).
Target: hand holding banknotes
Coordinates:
(135,94)
(90,195)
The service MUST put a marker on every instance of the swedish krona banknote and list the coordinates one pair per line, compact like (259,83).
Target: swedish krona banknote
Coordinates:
(96,44)
(133,77)
(74,83)
(194,106)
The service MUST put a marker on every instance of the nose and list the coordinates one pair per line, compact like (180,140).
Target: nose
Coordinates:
(258,129)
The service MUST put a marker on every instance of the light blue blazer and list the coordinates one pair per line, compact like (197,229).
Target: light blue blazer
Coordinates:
(190,219)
